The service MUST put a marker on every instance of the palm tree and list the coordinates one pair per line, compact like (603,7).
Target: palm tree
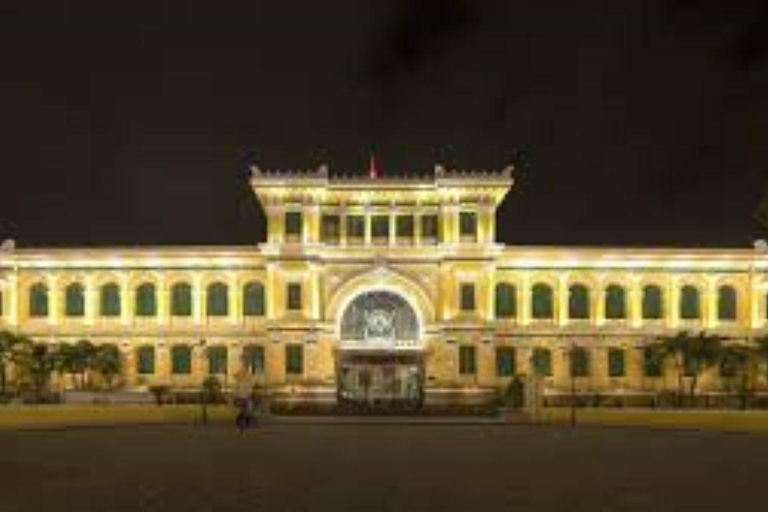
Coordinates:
(738,361)
(106,362)
(210,391)
(692,355)
(37,362)
(761,351)
(11,347)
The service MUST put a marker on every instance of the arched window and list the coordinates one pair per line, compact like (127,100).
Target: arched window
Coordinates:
(541,362)
(253,299)
(146,300)
(652,302)
(74,300)
(578,302)
(615,302)
(727,303)
(217,302)
(506,303)
(181,360)
(690,307)
(109,300)
(181,299)
(542,302)
(38,300)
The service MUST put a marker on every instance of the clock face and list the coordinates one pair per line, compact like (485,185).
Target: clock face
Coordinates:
(379,324)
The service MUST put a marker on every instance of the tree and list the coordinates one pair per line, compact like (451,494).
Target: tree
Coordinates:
(692,355)
(11,348)
(37,363)
(738,362)
(106,362)
(211,390)
(761,351)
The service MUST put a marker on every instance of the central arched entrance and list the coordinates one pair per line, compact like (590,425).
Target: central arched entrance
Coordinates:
(380,354)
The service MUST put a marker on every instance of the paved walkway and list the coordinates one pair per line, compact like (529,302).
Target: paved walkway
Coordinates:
(380,468)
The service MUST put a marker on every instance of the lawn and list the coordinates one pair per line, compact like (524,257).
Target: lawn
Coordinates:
(722,420)
(47,416)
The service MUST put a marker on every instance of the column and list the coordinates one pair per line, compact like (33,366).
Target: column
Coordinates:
(162,362)
(709,315)
(270,291)
(163,302)
(561,300)
(12,299)
(234,298)
(751,301)
(315,292)
(197,299)
(598,313)
(635,303)
(54,300)
(343,225)
(417,225)
(672,306)
(367,220)
(486,220)
(490,287)
(392,221)
(598,354)
(560,365)
(91,299)
(634,355)
(128,355)
(525,299)
(275,228)
(126,300)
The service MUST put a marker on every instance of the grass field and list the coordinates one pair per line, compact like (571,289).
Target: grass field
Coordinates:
(722,420)
(47,416)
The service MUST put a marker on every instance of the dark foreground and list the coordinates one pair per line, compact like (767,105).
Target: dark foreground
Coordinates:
(380,467)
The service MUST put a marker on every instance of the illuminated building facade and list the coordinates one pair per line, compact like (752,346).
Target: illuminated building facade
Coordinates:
(384,287)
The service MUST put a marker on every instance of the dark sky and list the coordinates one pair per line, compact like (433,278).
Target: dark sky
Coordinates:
(639,123)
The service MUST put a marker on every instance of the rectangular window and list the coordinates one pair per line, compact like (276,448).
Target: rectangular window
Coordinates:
(294,296)
(468,226)
(652,366)
(467,296)
(217,360)
(380,229)
(616,366)
(505,361)
(541,362)
(331,229)
(429,233)
(467,363)
(294,359)
(404,229)
(579,359)
(181,360)
(293,225)
(253,359)
(355,229)
(145,360)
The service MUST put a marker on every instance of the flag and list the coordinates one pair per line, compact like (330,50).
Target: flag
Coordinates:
(373,173)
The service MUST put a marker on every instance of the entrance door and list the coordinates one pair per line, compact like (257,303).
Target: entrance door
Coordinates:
(380,379)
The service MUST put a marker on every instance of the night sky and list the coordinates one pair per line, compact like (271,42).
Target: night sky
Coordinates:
(633,123)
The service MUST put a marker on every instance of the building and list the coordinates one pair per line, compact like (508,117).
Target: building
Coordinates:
(373,287)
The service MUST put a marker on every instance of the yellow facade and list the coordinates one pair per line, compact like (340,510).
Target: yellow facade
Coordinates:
(373,237)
